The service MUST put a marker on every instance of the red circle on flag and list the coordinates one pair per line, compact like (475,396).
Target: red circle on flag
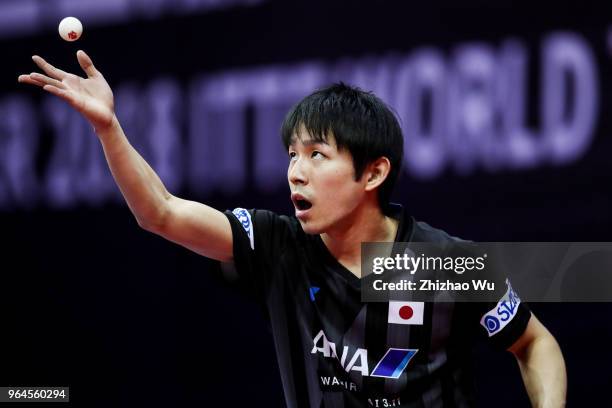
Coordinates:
(406,312)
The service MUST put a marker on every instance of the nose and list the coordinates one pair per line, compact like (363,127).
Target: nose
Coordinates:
(296,173)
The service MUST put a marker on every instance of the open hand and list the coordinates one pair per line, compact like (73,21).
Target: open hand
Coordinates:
(91,96)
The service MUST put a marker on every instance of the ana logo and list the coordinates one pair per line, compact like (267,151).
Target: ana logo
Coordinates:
(503,313)
(391,365)
(245,219)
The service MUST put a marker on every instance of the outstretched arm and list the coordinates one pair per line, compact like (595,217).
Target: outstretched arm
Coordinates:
(542,366)
(188,223)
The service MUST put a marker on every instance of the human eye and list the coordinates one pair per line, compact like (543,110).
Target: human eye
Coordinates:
(317,155)
(292,155)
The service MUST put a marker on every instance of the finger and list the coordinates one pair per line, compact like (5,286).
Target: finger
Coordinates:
(46,80)
(86,63)
(25,79)
(48,68)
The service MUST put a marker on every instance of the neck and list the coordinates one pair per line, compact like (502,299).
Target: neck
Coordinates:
(365,224)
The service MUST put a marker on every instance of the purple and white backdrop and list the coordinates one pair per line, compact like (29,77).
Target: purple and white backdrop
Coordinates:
(504,110)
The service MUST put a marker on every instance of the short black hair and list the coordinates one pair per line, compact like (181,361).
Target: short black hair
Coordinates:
(359,122)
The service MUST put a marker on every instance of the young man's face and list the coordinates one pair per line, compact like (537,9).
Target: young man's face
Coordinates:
(322,182)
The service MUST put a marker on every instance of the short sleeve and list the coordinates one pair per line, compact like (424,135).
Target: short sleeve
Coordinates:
(504,321)
(500,314)
(259,237)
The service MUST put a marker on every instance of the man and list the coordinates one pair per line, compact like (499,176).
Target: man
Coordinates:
(344,149)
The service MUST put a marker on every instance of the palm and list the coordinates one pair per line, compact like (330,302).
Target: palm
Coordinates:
(91,96)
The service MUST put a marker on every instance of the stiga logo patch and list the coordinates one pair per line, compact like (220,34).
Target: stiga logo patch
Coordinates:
(245,219)
(503,313)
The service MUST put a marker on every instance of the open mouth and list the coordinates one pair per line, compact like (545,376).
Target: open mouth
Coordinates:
(303,204)
(300,202)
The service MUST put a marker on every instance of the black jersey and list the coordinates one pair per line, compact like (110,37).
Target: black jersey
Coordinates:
(335,351)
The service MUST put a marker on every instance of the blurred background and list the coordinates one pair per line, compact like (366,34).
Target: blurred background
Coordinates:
(504,107)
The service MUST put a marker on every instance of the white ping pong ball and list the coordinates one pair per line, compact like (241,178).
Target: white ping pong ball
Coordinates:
(70,28)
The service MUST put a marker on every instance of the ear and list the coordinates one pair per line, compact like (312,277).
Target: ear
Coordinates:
(376,173)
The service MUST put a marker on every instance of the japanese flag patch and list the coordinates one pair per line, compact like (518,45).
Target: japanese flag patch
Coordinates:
(406,312)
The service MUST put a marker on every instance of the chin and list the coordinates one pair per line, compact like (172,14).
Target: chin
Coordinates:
(311,228)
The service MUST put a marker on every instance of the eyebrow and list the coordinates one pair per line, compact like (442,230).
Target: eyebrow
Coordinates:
(309,142)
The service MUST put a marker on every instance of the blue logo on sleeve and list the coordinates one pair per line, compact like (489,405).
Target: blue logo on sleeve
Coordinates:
(503,313)
(491,323)
(245,219)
